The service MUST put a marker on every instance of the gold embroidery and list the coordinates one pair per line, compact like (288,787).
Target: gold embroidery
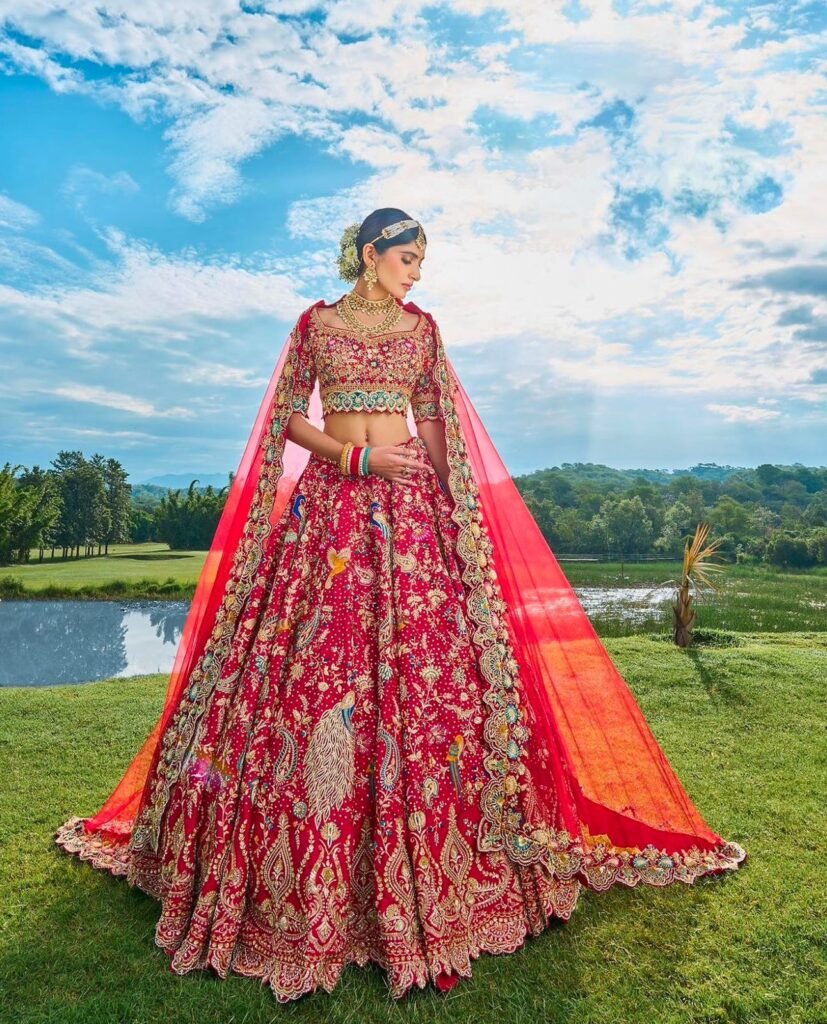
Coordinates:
(300,935)
(385,373)
(329,761)
(181,734)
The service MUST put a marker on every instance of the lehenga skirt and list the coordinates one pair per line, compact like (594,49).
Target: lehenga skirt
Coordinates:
(328,811)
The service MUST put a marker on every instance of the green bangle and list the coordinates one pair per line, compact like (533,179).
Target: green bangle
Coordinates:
(363,462)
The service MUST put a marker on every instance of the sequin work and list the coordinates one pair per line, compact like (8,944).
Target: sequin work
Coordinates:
(329,807)
(358,374)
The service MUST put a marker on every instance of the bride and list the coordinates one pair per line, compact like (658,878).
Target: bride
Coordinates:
(391,732)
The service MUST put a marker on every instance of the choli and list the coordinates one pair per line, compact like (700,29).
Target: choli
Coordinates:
(379,374)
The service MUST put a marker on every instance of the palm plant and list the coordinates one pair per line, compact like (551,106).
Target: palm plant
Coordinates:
(696,569)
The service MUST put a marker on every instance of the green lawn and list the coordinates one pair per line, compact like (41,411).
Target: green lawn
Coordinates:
(129,570)
(744,728)
(751,598)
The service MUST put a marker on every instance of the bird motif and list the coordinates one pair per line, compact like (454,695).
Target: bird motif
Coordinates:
(379,519)
(452,757)
(338,562)
(329,763)
(297,517)
(298,511)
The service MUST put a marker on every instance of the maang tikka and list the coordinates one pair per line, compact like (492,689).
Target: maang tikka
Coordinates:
(370,276)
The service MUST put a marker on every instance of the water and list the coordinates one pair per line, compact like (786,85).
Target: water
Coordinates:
(628,604)
(47,642)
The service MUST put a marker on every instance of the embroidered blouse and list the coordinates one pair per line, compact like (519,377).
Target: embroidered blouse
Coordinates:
(379,374)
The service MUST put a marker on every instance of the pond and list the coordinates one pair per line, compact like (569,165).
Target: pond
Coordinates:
(46,642)
(49,642)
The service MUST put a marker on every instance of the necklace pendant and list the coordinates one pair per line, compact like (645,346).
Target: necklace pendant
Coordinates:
(349,303)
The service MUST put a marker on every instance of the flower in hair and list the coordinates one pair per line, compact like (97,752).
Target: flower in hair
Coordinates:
(348,259)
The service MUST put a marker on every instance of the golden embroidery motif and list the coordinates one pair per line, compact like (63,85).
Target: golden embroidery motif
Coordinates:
(353,801)
(369,374)
(328,763)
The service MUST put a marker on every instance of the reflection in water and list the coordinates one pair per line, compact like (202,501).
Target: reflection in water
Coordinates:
(46,642)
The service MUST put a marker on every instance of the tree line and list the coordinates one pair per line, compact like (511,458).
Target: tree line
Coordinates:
(773,514)
(78,507)
(776,514)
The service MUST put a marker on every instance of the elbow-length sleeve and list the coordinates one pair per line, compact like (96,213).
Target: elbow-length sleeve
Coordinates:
(425,397)
(304,371)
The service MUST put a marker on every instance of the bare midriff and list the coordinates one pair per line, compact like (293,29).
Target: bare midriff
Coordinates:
(372,428)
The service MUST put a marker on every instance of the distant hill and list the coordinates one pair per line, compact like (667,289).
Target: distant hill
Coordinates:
(608,475)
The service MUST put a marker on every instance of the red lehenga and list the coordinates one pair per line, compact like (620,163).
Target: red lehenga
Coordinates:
(391,732)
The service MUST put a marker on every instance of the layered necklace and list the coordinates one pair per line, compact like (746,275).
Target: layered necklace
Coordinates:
(352,301)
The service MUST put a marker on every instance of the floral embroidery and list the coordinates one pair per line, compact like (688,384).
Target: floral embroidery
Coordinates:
(358,374)
(343,780)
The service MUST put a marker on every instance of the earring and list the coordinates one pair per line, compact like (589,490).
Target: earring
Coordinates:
(370,276)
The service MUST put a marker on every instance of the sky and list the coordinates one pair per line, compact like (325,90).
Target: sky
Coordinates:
(624,205)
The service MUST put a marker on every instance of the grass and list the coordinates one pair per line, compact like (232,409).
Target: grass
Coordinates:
(128,571)
(743,727)
(751,598)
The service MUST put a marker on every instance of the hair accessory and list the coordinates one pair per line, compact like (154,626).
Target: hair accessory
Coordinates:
(348,260)
(402,225)
(349,256)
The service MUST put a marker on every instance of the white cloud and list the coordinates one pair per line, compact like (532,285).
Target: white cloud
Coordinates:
(743,414)
(117,400)
(16,216)
(521,247)
(82,182)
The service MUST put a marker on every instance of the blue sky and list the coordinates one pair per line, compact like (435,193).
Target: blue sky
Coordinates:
(627,254)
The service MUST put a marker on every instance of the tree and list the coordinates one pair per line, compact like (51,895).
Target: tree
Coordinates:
(677,525)
(788,551)
(119,501)
(627,525)
(189,524)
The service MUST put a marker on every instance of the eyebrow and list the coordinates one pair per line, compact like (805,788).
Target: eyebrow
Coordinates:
(410,252)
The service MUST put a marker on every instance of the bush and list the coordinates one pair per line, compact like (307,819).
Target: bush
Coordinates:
(716,638)
(788,551)
(11,586)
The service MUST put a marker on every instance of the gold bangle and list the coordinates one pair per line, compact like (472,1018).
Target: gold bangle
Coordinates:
(344,455)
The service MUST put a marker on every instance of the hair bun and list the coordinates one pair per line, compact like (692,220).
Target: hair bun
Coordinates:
(349,258)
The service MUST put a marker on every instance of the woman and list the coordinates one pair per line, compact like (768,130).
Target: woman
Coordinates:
(391,732)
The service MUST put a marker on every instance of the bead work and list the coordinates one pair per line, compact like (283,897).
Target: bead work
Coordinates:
(380,374)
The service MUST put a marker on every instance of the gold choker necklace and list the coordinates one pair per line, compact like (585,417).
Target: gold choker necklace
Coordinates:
(358,301)
(348,305)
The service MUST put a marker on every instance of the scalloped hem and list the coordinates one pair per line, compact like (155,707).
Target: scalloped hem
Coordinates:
(289,981)
(600,869)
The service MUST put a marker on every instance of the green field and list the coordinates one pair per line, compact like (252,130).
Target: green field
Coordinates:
(129,570)
(744,728)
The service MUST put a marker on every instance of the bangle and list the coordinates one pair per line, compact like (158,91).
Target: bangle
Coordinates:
(353,461)
(344,455)
(363,462)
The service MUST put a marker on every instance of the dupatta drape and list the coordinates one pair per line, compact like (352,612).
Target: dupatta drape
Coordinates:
(576,782)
